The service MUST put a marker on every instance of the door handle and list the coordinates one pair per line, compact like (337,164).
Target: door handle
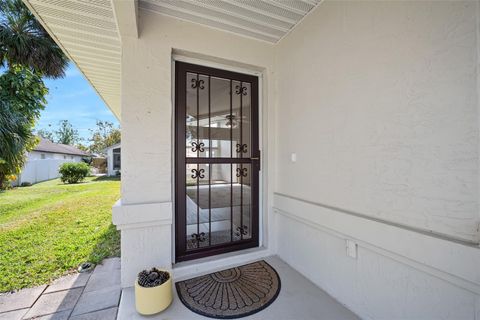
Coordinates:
(255,158)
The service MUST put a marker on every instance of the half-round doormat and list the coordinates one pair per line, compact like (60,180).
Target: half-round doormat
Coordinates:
(232,293)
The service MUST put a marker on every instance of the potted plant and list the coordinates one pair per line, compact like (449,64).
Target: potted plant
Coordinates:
(153,291)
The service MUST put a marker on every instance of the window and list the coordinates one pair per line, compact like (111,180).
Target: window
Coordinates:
(42,156)
(116,159)
(64,157)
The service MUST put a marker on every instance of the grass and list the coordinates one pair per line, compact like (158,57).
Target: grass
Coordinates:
(48,229)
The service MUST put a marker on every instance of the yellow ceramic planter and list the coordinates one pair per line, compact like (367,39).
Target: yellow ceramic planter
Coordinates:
(153,300)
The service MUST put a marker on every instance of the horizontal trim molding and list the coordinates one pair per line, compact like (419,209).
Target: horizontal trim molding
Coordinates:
(448,260)
(141,215)
(391,223)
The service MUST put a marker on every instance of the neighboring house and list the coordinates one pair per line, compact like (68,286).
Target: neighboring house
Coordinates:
(341,136)
(47,149)
(45,159)
(114,164)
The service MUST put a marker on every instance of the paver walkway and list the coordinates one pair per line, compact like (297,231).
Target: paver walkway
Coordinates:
(82,296)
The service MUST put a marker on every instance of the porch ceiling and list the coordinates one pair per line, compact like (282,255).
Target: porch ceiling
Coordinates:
(87,32)
(90,31)
(267,20)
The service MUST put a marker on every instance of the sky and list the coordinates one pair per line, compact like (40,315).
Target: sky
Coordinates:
(74,99)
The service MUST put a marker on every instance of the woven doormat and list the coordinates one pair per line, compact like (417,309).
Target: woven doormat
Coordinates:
(231,293)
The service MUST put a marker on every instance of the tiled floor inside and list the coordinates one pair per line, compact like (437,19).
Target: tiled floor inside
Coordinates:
(299,299)
(83,296)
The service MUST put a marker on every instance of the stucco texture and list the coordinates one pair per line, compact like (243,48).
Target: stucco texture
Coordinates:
(379,102)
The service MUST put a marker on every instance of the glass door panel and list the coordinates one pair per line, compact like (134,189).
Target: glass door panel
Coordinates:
(216,171)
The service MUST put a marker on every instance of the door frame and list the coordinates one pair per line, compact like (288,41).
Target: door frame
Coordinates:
(257,237)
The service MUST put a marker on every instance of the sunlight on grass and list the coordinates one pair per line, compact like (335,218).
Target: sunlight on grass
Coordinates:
(50,228)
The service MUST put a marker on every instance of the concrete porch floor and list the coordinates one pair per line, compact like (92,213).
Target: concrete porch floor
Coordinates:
(298,299)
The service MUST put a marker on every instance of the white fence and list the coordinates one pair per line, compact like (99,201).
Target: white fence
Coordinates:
(40,170)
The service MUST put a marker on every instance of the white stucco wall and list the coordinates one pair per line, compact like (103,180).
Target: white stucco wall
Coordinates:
(147,147)
(110,170)
(387,112)
(379,102)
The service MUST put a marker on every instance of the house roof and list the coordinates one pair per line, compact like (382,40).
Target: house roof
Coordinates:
(48,146)
(116,145)
(87,33)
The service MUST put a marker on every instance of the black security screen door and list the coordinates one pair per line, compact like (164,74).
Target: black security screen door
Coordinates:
(217,161)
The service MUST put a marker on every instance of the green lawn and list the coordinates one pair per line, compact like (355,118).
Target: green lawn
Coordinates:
(48,229)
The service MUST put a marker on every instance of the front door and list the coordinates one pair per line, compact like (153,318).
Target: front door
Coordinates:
(217,161)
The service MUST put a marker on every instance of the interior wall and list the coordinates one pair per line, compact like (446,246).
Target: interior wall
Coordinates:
(379,102)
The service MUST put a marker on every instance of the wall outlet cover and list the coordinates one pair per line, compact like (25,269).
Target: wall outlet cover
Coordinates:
(351,247)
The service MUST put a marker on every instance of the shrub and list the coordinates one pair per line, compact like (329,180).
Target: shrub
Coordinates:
(74,172)
(26,184)
(7,182)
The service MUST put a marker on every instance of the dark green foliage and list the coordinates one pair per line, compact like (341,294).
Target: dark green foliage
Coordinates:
(22,95)
(24,91)
(23,41)
(26,184)
(74,172)
(27,53)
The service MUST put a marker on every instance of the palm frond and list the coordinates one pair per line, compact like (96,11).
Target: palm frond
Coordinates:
(24,41)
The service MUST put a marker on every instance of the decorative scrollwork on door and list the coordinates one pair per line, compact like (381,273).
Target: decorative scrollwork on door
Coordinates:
(217,161)
(241,90)
(243,230)
(198,173)
(198,83)
(198,237)
(198,146)
(241,148)
(241,172)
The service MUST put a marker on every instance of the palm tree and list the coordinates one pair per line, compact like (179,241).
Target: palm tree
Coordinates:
(22,97)
(28,53)
(15,137)
(23,41)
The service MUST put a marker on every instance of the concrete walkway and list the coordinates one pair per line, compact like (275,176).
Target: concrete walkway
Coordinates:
(83,296)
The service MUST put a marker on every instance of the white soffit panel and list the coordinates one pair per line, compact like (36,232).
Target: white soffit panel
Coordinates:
(267,20)
(87,32)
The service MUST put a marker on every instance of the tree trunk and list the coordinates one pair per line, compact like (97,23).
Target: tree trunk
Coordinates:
(2,181)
